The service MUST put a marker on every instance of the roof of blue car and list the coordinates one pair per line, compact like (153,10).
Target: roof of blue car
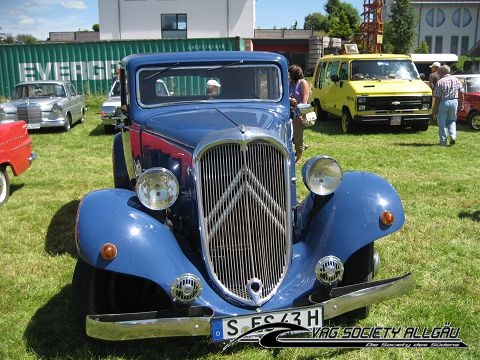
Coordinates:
(202,56)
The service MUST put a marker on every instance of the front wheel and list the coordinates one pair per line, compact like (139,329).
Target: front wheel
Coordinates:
(347,122)
(68,123)
(98,291)
(359,268)
(474,120)
(321,114)
(4,185)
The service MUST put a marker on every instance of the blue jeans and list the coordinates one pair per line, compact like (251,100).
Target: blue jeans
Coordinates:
(447,120)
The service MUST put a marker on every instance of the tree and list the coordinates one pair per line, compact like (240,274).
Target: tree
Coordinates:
(316,21)
(422,48)
(26,39)
(400,31)
(96,27)
(342,20)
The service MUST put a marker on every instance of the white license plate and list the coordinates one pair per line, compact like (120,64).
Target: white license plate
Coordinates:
(232,327)
(33,126)
(396,120)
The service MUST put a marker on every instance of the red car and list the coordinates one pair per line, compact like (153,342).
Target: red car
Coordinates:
(471,111)
(15,152)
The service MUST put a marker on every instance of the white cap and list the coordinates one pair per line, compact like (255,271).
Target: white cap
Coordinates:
(213,82)
(436,63)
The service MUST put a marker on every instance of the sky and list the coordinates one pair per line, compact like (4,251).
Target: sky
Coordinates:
(39,17)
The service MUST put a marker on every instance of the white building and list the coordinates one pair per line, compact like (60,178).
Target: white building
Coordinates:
(179,19)
(447,26)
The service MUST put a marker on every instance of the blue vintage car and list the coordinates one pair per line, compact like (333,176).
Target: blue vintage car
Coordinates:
(203,233)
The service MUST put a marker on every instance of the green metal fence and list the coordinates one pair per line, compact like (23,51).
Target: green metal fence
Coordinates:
(89,65)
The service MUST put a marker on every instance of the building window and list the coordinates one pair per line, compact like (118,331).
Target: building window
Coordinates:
(428,40)
(435,17)
(454,45)
(438,44)
(174,26)
(465,47)
(461,17)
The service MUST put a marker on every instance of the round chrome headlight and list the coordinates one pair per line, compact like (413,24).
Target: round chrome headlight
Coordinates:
(157,188)
(2,112)
(56,108)
(322,175)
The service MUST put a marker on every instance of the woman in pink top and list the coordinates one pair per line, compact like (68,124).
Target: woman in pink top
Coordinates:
(298,92)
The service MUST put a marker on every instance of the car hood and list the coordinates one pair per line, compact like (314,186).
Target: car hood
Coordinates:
(190,126)
(111,102)
(390,86)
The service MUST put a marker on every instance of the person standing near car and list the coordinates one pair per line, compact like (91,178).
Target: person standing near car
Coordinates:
(434,76)
(448,93)
(299,92)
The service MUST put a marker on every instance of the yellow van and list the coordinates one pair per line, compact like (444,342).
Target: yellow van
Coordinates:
(371,89)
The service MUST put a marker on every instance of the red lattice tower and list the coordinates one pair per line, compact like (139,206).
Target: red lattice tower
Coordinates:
(372,27)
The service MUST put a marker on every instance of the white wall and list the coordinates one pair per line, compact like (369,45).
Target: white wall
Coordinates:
(141,19)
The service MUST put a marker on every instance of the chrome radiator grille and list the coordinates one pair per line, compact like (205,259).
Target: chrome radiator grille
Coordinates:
(246,219)
(31,113)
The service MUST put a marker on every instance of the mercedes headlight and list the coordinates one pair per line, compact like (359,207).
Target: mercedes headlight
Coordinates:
(157,188)
(56,108)
(322,175)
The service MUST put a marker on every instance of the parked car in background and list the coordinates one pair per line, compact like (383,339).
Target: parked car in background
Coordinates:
(15,153)
(203,234)
(44,104)
(371,89)
(471,109)
(107,109)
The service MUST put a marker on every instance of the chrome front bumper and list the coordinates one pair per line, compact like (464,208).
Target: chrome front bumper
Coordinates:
(196,320)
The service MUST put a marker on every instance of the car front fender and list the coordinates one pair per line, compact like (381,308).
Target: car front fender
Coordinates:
(350,218)
(145,247)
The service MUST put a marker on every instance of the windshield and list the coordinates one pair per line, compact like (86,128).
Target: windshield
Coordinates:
(38,91)
(472,84)
(383,69)
(232,82)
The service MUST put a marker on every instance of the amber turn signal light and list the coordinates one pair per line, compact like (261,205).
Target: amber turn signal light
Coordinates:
(108,251)
(387,218)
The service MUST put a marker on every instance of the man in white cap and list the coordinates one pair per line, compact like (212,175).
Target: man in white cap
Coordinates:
(433,77)
(213,87)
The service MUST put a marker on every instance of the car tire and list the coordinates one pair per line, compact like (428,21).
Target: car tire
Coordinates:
(474,120)
(321,114)
(82,119)
(359,268)
(421,127)
(4,185)
(98,291)
(347,122)
(68,124)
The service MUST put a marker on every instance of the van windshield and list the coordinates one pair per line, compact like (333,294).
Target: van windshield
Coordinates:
(383,70)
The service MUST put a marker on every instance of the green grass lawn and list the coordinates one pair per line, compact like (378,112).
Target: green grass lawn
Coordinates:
(440,244)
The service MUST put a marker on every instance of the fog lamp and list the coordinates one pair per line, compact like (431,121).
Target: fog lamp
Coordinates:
(157,188)
(322,175)
(186,288)
(329,270)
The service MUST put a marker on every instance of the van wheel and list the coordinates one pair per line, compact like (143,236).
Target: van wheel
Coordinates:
(347,122)
(321,114)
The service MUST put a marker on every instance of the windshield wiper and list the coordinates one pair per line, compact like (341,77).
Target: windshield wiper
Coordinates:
(162,71)
(226,65)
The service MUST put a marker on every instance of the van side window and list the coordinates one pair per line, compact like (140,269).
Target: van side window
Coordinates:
(320,75)
(343,71)
(332,69)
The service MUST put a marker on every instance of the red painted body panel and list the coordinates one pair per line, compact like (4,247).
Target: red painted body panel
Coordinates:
(15,146)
